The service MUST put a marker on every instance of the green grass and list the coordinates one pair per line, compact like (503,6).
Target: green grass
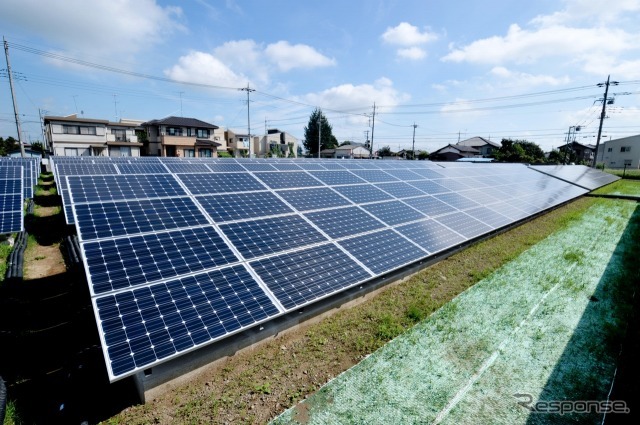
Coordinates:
(628,173)
(5,250)
(620,187)
(11,414)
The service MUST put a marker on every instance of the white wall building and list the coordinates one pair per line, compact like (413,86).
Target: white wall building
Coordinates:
(618,153)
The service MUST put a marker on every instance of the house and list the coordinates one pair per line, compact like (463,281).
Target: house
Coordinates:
(485,146)
(454,152)
(620,153)
(237,144)
(328,153)
(184,137)
(578,152)
(78,136)
(28,153)
(276,142)
(352,152)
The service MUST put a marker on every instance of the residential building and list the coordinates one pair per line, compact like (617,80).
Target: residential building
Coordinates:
(275,142)
(485,146)
(578,152)
(184,137)
(237,144)
(78,136)
(454,152)
(620,153)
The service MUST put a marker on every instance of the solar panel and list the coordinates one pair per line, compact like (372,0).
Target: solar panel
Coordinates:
(11,199)
(141,168)
(159,248)
(580,175)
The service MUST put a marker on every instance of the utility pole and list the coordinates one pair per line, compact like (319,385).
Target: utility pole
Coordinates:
(319,131)
(366,138)
(181,103)
(373,127)
(602,115)
(115,105)
(45,145)
(248,90)
(13,97)
(413,145)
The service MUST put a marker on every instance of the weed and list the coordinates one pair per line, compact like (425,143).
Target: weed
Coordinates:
(573,256)
(264,388)
(39,257)
(388,328)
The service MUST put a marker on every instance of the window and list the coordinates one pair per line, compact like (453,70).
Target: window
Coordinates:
(610,150)
(70,151)
(189,153)
(125,151)
(625,149)
(88,130)
(121,135)
(205,153)
(627,163)
(202,133)
(174,131)
(70,129)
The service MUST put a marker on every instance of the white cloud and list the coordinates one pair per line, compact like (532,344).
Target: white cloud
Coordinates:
(581,36)
(525,79)
(204,68)
(406,34)
(286,56)
(412,53)
(349,96)
(99,27)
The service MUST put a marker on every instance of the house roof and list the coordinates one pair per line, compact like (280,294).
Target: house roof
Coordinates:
(459,148)
(584,145)
(477,142)
(181,122)
(74,118)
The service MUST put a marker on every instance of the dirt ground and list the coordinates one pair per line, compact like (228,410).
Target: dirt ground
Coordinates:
(42,261)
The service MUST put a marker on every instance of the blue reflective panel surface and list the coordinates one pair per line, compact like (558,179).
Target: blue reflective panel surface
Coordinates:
(454,185)
(303,276)
(257,166)
(125,262)
(336,177)
(400,189)
(313,199)
(431,235)
(427,173)
(429,187)
(10,222)
(342,222)
(464,224)
(142,169)
(225,167)
(489,217)
(456,200)
(374,176)
(364,193)
(187,168)
(405,175)
(288,180)
(10,202)
(199,184)
(383,251)
(261,237)
(394,212)
(238,206)
(110,219)
(121,187)
(430,206)
(143,326)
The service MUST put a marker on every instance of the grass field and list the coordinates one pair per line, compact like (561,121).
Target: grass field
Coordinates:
(620,187)
(628,173)
(547,326)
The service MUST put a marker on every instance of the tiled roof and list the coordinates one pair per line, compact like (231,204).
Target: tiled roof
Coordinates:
(181,122)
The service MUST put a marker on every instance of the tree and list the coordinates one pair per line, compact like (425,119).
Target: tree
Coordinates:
(519,151)
(385,151)
(7,145)
(317,120)
(423,155)
(37,147)
(556,157)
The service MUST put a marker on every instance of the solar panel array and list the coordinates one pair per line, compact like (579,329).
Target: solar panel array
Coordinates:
(180,259)
(31,171)
(11,198)
(581,175)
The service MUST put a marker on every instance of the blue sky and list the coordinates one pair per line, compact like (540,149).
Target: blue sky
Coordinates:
(493,68)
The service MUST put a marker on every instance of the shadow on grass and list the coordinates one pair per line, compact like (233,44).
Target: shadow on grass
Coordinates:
(585,369)
(47,230)
(51,356)
(47,200)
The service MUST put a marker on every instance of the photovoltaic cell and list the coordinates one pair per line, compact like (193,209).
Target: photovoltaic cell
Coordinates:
(187,168)
(581,175)
(431,235)
(400,189)
(464,224)
(144,325)
(383,251)
(430,206)
(361,194)
(490,217)
(393,212)
(142,169)
(301,277)
(110,219)
(261,237)
(374,176)
(123,186)
(239,206)
(199,184)
(312,199)
(405,175)
(225,167)
(341,222)
(258,167)
(126,262)
(288,180)
(429,187)
(336,177)
(456,200)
